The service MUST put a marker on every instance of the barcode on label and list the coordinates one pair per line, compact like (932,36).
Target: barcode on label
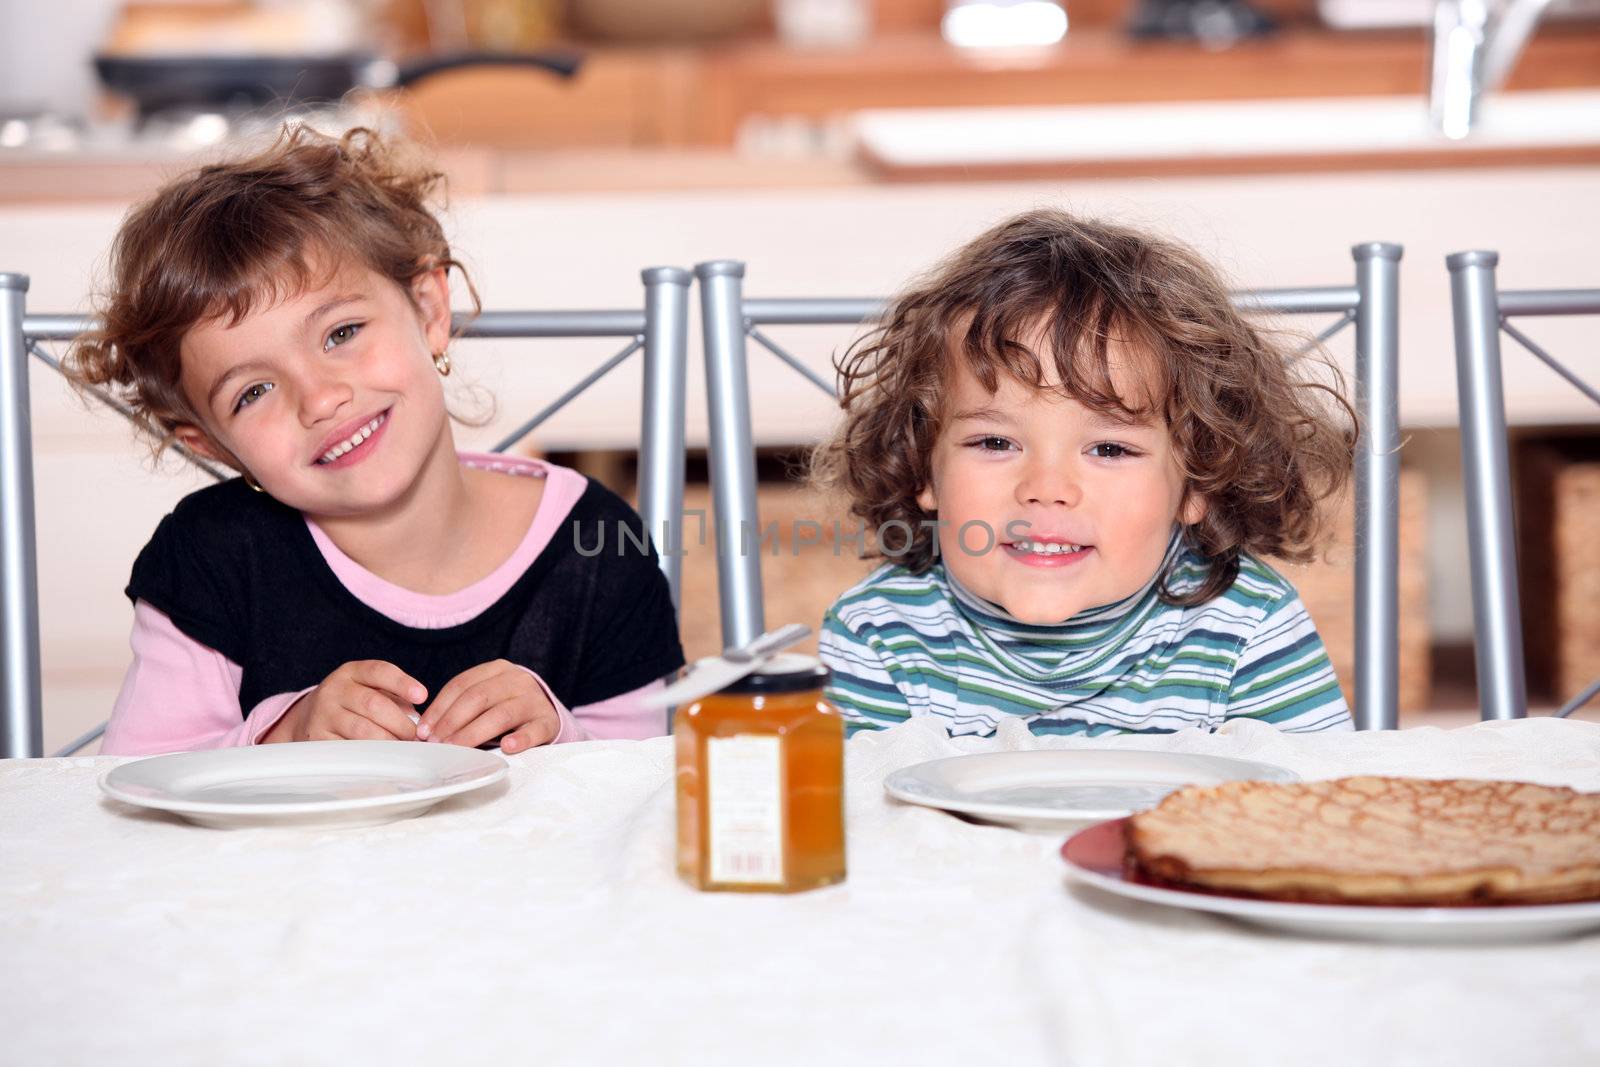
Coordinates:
(744,801)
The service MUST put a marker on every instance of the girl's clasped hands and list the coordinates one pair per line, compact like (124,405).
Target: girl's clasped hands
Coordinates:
(376,701)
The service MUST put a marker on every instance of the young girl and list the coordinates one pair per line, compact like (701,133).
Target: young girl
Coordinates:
(288,315)
(1076,451)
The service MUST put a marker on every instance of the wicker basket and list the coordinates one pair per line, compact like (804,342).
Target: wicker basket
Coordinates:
(1558,555)
(798,582)
(1327,587)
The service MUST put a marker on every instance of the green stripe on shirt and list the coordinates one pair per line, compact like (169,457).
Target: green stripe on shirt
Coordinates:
(901,644)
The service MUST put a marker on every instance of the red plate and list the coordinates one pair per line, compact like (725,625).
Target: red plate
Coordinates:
(1098,849)
(1094,857)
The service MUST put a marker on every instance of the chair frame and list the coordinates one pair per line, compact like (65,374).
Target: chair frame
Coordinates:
(1480,313)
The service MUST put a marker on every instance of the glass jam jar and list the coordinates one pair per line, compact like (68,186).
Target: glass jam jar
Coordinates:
(761,783)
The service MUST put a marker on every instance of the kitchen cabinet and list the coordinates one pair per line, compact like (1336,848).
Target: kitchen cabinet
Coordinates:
(704,95)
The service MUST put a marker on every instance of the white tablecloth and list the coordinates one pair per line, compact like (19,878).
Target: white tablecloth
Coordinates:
(541,922)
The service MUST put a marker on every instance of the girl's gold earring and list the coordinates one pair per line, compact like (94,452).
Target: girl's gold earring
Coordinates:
(441,363)
(251,482)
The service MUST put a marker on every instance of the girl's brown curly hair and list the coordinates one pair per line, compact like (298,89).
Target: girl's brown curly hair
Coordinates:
(228,237)
(1261,444)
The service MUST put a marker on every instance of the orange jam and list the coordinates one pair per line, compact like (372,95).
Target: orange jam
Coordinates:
(761,783)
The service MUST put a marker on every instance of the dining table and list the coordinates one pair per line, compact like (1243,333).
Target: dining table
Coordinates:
(541,921)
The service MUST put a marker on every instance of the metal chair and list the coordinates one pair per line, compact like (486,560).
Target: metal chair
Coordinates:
(1372,303)
(1481,313)
(659,329)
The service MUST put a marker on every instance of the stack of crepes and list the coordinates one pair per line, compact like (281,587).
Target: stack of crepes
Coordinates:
(1373,840)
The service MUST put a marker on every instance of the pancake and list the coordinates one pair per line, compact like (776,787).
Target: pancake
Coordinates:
(1404,841)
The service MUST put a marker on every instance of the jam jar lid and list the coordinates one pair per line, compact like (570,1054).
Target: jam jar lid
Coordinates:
(787,672)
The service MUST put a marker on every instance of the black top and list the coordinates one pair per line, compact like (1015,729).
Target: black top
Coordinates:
(238,571)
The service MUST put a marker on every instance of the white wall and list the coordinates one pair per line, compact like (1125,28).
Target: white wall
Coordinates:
(45,50)
(97,503)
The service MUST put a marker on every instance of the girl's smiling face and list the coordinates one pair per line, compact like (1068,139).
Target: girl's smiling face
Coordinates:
(1081,504)
(329,398)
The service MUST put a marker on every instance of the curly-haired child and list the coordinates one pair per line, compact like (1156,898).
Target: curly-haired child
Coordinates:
(287,314)
(1077,451)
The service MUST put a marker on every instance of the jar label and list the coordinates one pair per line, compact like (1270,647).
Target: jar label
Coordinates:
(744,801)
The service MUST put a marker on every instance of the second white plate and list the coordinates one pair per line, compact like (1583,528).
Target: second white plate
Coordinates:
(1053,789)
(315,784)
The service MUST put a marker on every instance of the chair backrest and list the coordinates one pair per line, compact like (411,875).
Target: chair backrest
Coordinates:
(659,328)
(1481,312)
(1372,303)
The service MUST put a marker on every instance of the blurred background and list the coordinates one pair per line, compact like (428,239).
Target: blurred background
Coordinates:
(839,147)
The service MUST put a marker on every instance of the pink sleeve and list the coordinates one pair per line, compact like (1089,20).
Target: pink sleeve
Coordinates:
(180,695)
(619,718)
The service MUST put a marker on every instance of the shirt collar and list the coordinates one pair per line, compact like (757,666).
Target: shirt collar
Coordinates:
(1092,626)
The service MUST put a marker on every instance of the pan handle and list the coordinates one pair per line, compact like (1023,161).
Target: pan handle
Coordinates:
(564,64)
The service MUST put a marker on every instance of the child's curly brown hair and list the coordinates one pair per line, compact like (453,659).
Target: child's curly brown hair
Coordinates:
(228,237)
(1262,444)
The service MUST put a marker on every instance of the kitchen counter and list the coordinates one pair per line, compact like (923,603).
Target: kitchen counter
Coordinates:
(756,114)
(1098,66)
(1223,136)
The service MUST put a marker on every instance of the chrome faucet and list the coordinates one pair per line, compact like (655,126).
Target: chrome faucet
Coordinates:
(1475,45)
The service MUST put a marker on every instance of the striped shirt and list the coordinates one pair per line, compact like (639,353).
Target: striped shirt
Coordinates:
(902,644)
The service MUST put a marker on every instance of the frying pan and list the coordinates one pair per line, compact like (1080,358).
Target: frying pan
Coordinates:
(156,83)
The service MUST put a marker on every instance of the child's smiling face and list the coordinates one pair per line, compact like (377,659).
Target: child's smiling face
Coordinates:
(289,388)
(1081,505)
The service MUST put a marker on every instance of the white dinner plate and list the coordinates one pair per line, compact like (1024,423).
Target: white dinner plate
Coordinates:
(1094,857)
(1057,790)
(306,784)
